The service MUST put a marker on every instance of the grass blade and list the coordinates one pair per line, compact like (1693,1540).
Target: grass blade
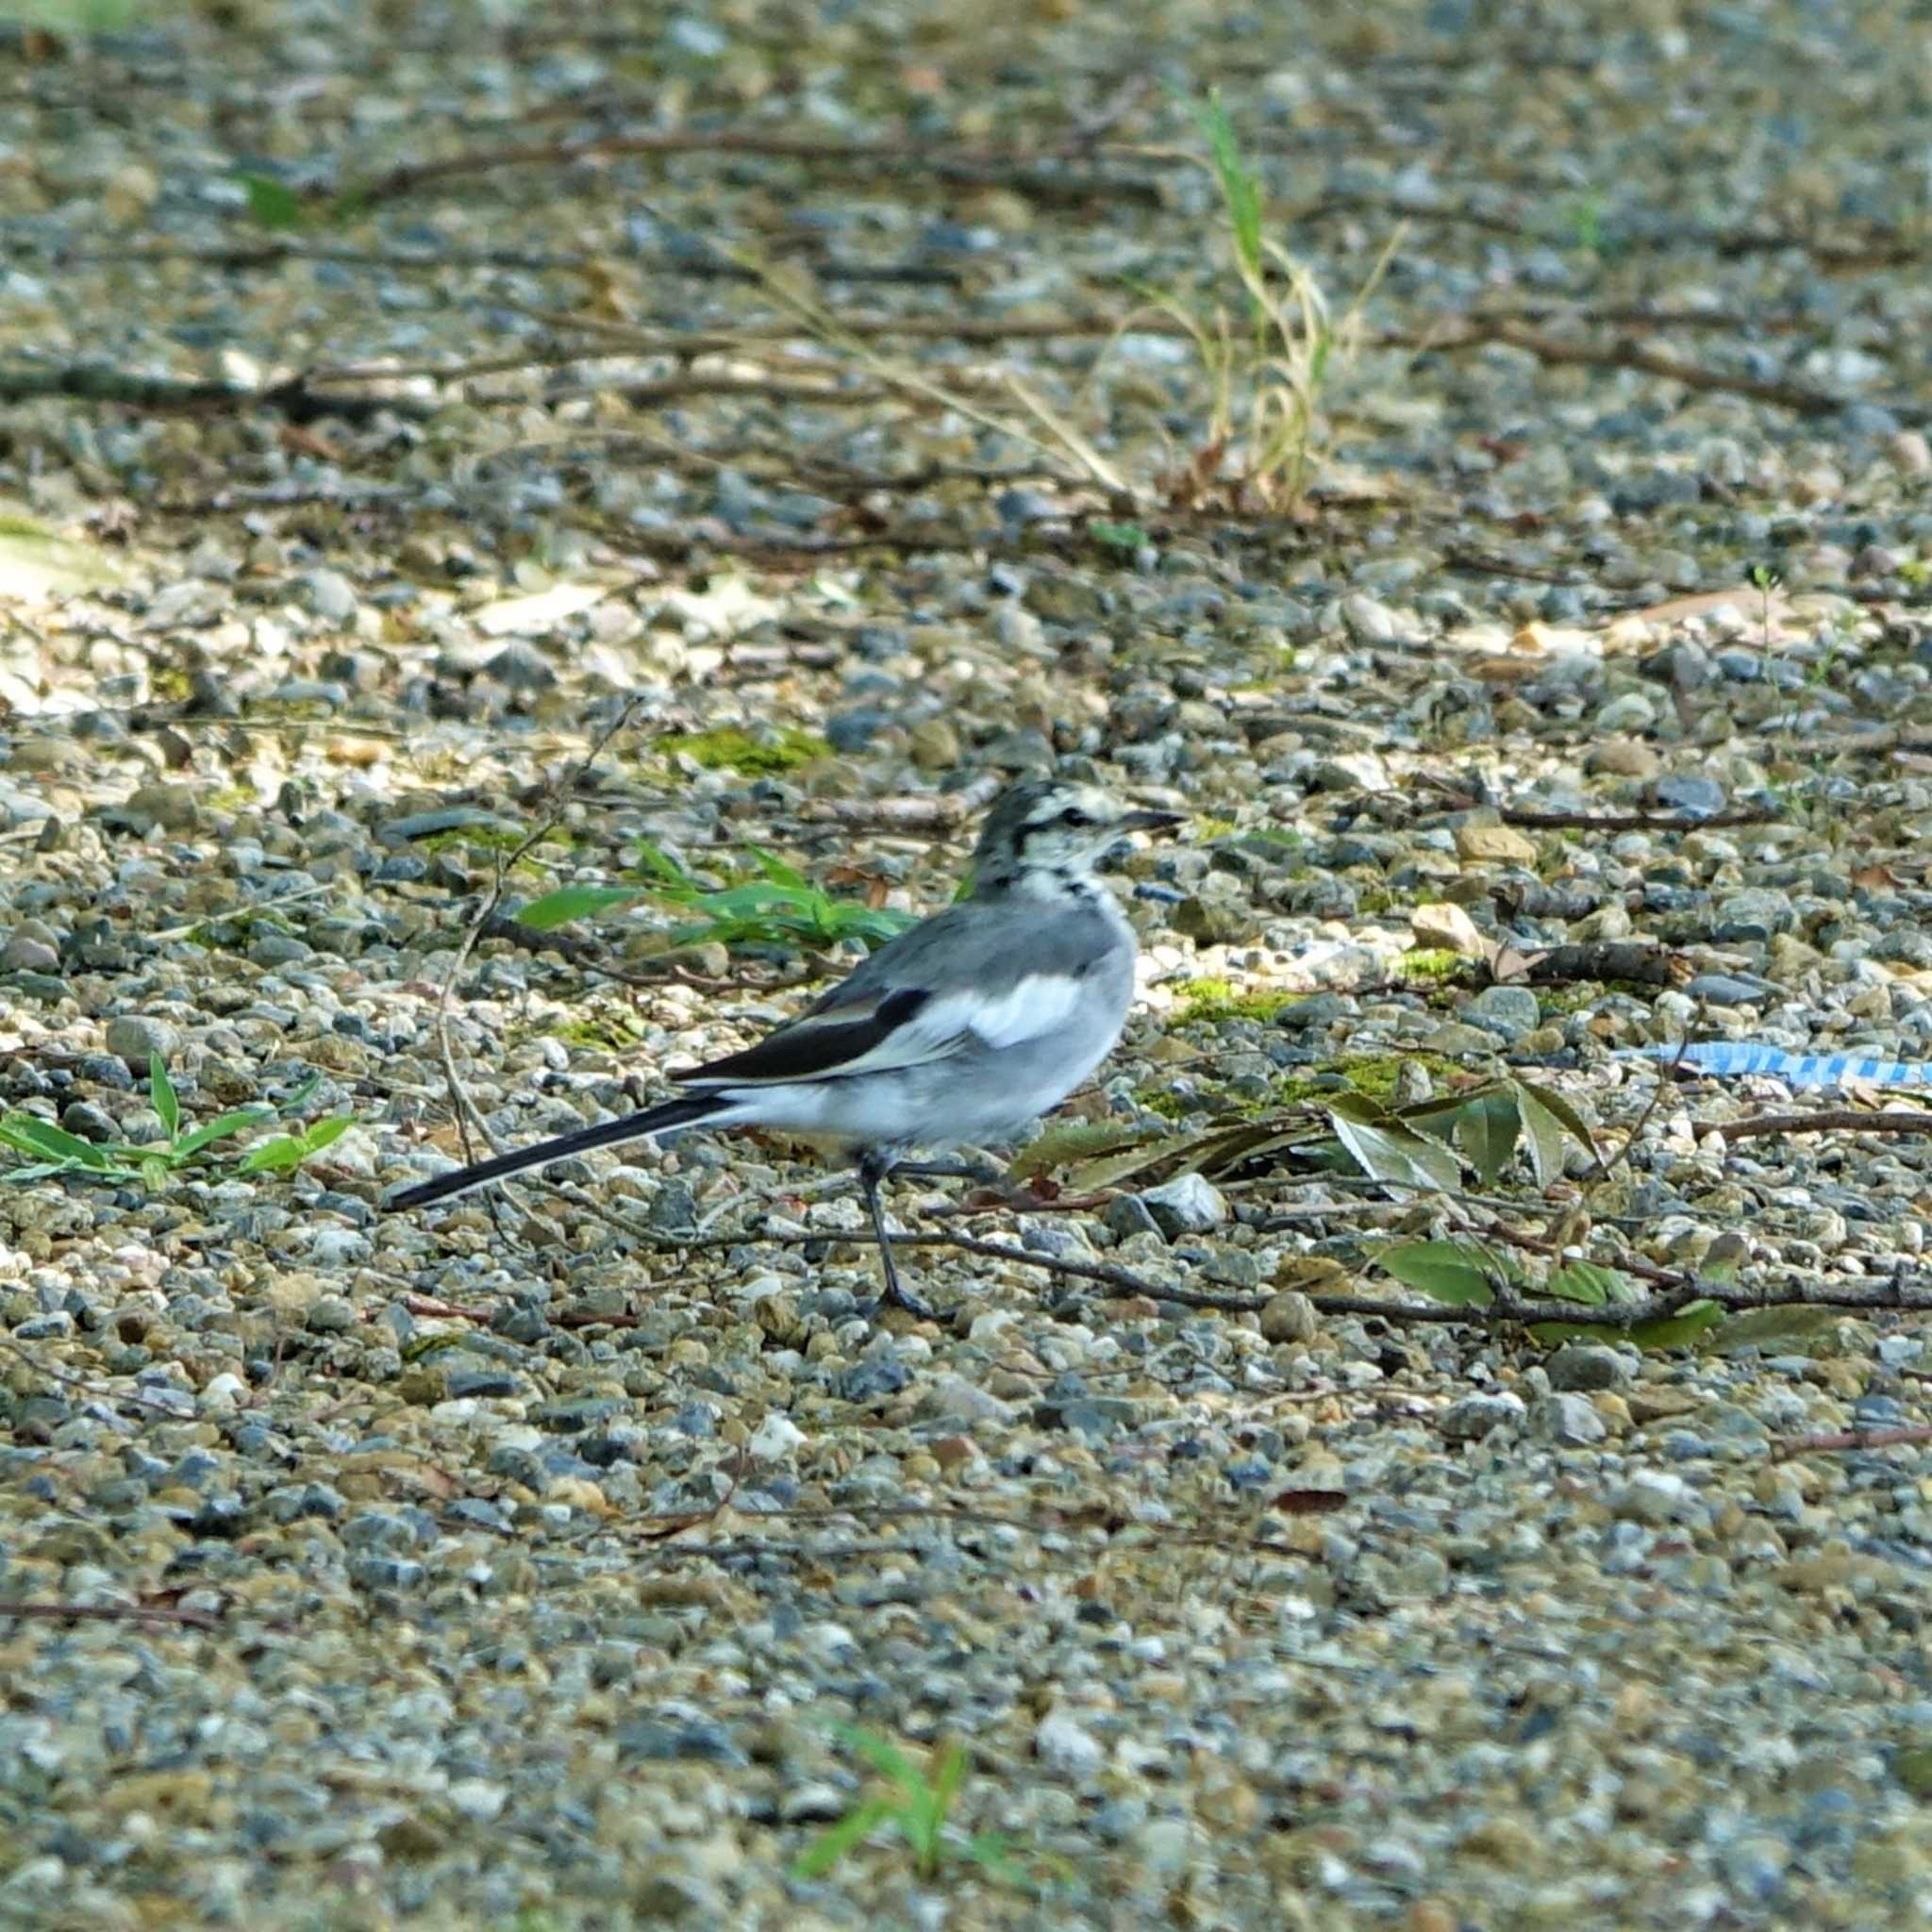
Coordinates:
(272,1156)
(837,1839)
(162,1095)
(883,1755)
(570,903)
(221,1128)
(25,1134)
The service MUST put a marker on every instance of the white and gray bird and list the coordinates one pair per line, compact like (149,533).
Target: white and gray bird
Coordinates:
(960,1030)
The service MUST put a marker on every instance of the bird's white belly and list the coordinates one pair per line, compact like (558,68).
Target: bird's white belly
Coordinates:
(969,1097)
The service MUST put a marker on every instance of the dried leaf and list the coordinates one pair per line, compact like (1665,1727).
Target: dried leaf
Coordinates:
(1069,1142)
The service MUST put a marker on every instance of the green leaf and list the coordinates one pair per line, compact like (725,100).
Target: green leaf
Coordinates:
(776,870)
(1791,1328)
(837,1839)
(1240,189)
(1446,1272)
(1555,1117)
(1690,1324)
(1554,1334)
(272,1156)
(880,1752)
(272,203)
(947,1774)
(1121,539)
(1545,1134)
(321,1133)
(1485,1132)
(1140,1157)
(220,1128)
(27,1134)
(161,1092)
(1385,1150)
(653,858)
(1588,1282)
(287,1152)
(575,902)
(301,1094)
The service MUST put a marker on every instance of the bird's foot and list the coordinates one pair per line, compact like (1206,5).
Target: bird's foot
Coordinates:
(896,1297)
(982,1172)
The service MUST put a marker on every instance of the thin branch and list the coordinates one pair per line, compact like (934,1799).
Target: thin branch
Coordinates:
(1044,177)
(1801,398)
(1833,1120)
(1855,1438)
(109,1613)
(1636,821)
(459,1098)
(1600,959)
(94,382)
(1604,1169)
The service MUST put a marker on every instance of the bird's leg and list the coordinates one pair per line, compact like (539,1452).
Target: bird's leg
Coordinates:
(872,1169)
(984,1172)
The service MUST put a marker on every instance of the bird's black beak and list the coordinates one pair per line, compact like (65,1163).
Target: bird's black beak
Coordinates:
(1149,821)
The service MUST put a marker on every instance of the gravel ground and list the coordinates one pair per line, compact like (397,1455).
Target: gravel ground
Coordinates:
(514,1566)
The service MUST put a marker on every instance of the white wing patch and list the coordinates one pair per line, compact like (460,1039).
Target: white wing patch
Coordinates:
(1041,1003)
(1036,1005)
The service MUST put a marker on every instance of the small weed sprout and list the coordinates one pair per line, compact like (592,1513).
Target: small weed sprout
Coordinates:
(52,1151)
(1269,371)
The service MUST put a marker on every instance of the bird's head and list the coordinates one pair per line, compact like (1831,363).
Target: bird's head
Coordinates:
(1050,825)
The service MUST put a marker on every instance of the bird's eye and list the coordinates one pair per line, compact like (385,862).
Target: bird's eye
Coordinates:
(1073,818)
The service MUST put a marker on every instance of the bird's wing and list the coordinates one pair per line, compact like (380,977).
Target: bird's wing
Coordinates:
(928,1002)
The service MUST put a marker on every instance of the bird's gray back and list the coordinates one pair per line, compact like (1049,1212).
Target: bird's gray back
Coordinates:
(991,947)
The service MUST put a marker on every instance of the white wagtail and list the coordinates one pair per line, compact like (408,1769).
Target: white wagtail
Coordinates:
(961,1029)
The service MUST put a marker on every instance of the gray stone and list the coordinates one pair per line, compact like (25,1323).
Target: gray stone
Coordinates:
(853,730)
(1472,1417)
(25,953)
(1233,1268)
(673,1209)
(454,818)
(1289,1316)
(131,1036)
(1587,1365)
(1318,1009)
(1213,922)
(1126,1215)
(1756,913)
(1655,1496)
(1633,711)
(1691,794)
(154,807)
(1186,1204)
(1372,621)
(1730,989)
(520,667)
(330,595)
(1508,1011)
(1062,1239)
(1567,1420)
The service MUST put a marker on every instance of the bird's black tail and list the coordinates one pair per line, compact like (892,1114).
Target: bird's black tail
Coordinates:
(680,1112)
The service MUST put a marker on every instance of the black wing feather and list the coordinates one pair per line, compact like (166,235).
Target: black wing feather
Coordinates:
(816,1050)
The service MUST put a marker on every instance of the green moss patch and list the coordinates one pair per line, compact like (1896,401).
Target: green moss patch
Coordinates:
(785,750)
